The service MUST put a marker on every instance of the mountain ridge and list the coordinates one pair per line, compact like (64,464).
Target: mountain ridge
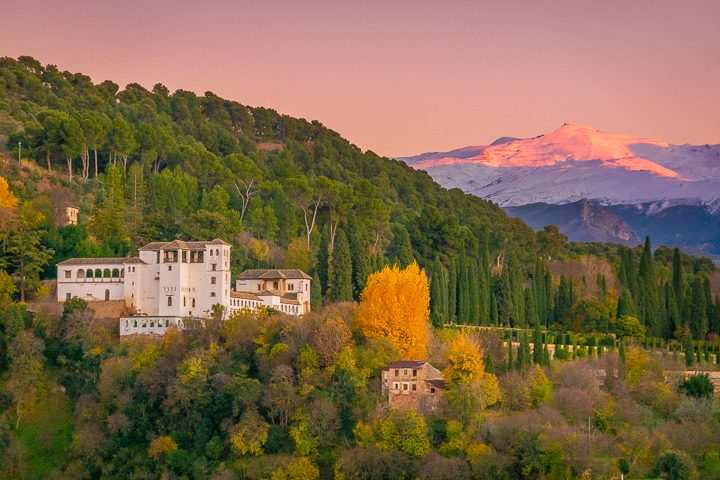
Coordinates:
(636,177)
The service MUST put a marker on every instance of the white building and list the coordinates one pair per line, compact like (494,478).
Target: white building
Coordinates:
(171,281)
(166,282)
(285,290)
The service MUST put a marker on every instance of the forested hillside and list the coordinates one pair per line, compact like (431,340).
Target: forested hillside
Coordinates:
(153,165)
(262,395)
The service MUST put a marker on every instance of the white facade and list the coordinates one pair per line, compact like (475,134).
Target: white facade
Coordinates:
(171,280)
(285,290)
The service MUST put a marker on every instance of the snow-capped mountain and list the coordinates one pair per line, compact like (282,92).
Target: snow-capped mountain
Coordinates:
(575,163)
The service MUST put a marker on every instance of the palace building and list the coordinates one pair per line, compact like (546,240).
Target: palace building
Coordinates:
(171,281)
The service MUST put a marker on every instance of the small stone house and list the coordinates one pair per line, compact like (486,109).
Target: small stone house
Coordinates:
(413,384)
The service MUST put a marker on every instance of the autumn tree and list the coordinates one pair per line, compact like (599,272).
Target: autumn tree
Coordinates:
(396,305)
(470,387)
(161,446)
(331,337)
(250,434)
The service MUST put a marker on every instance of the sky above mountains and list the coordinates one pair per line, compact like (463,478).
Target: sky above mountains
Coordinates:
(404,77)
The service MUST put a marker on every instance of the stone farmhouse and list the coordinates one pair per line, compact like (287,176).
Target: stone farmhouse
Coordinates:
(413,384)
(171,281)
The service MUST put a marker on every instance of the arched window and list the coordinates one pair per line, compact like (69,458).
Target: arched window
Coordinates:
(106,273)
(81,273)
(98,273)
(170,302)
(152,324)
(135,323)
(89,273)
(115,273)
(122,273)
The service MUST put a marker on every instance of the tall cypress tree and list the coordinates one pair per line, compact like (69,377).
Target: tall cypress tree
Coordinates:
(316,293)
(438,294)
(678,282)
(323,263)
(452,292)
(647,292)
(360,256)
(494,316)
(341,270)
(696,308)
(537,346)
(473,287)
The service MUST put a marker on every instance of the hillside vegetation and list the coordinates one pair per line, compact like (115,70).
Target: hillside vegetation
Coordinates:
(263,395)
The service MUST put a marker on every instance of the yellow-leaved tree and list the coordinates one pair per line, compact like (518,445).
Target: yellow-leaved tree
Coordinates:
(469,387)
(395,305)
(7,199)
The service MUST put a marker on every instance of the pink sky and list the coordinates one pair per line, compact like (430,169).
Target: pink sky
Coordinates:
(404,77)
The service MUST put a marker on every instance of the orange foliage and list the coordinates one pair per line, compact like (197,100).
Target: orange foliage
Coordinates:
(395,305)
(7,199)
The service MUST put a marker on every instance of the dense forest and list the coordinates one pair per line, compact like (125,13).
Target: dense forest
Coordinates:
(151,165)
(267,396)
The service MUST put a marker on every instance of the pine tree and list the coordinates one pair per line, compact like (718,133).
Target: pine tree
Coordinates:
(341,270)
(648,299)
(626,304)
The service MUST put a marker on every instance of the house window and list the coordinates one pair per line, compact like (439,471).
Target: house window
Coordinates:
(432,389)
(291,286)
(397,373)
(258,287)
(68,273)
(169,267)
(275,285)
(211,252)
(68,296)
(414,373)
(184,301)
(414,387)
(193,303)
(405,386)
(213,280)
(212,294)
(396,386)
(404,372)
(214,266)
(169,301)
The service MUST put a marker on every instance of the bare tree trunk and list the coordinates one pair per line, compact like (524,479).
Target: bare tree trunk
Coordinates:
(96,163)
(69,164)
(310,226)
(47,159)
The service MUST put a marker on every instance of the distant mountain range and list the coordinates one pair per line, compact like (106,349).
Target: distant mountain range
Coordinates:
(594,185)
